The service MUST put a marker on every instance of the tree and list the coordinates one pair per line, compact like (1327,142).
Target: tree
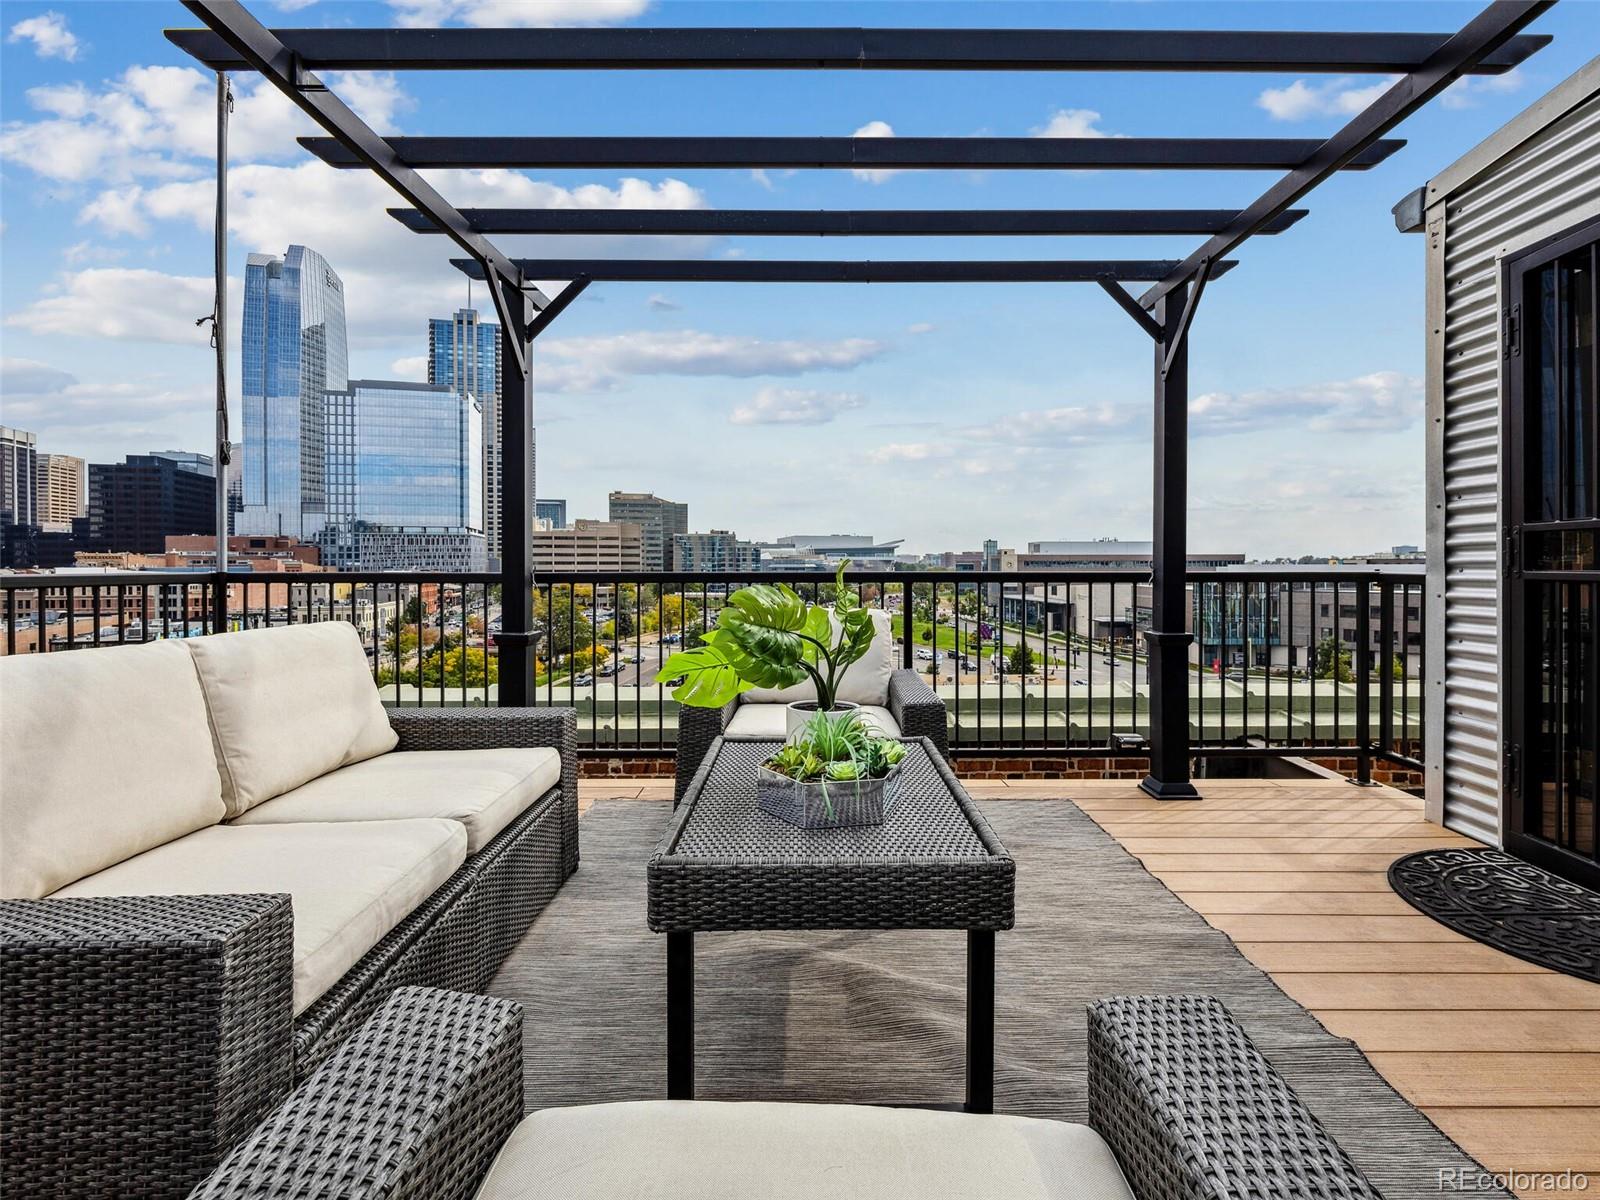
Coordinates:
(1333,660)
(1020,661)
(564,623)
(671,614)
(926,634)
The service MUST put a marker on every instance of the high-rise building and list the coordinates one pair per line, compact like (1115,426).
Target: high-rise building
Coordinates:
(292,351)
(590,546)
(135,505)
(464,355)
(718,550)
(660,520)
(62,490)
(404,478)
(553,511)
(18,477)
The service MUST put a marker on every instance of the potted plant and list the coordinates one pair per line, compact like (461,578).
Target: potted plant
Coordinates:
(768,637)
(835,773)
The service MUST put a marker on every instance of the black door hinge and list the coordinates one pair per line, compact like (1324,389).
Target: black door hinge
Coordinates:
(1514,550)
(1513,331)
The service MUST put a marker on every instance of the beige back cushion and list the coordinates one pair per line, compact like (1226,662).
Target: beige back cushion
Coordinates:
(866,681)
(287,705)
(104,754)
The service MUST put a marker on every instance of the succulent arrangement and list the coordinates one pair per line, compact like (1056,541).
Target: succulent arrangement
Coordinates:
(839,748)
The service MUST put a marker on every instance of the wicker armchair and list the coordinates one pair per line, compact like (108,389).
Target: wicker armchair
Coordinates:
(143,1036)
(915,706)
(418,1103)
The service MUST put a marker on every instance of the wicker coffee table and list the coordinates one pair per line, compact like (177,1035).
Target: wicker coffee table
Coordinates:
(726,865)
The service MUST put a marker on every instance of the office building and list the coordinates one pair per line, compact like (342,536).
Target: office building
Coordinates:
(404,479)
(1107,552)
(718,550)
(18,477)
(552,511)
(292,351)
(590,546)
(660,520)
(834,546)
(135,505)
(61,492)
(464,356)
(201,552)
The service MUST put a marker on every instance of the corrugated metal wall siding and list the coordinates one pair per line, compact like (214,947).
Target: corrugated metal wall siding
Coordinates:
(1548,184)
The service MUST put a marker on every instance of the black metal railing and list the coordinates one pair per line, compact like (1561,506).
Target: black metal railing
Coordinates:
(1287,661)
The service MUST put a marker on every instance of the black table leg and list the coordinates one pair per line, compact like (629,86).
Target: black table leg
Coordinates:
(980,1020)
(680,1015)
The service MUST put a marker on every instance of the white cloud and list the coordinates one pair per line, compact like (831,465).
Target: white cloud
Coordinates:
(122,303)
(1072,123)
(875,129)
(795,406)
(1381,401)
(690,352)
(41,397)
(49,34)
(413,368)
(157,122)
(920,327)
(1341,97)
(1466,91)
(494,14)
(660,303)
(892,452)
(29,377)
(1067,425)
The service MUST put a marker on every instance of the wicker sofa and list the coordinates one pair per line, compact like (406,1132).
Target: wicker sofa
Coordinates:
(426,1101)
(895,701)
(220,856)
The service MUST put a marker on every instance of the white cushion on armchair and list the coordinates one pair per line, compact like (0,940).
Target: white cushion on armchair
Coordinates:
(866,681)
(287,705)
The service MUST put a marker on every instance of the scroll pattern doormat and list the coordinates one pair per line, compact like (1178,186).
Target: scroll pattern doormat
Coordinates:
(1503,902)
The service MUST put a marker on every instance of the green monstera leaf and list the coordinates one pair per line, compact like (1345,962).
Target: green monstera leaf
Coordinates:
(708,677)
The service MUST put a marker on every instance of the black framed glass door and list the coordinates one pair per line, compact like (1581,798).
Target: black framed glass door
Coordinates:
(1552,513)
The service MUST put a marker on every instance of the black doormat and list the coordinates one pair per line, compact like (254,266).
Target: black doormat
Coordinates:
(1506,903)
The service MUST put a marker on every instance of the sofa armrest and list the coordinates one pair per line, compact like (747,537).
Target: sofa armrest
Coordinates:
(917,709)
(416,1103)
(144,1036)
(490,728)
(1194,1112)
(697,729)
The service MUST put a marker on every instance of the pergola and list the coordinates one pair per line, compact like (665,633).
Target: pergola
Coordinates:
(1426,63)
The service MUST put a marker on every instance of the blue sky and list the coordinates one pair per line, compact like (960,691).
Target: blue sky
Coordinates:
(939,414)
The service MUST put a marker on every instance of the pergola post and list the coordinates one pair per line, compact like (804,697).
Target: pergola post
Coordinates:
(1167,640)
(515,641)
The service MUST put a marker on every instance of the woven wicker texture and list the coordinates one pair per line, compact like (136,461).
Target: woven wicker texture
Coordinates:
(413,1106)
(725,864)
(1194,1112)
(142,1037)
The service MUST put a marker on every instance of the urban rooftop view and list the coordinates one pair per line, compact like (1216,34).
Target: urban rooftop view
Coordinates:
(1191,601)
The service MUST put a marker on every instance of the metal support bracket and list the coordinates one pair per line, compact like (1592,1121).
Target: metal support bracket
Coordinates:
(498,286)
(1187,318)
(555,308)
(1130,306)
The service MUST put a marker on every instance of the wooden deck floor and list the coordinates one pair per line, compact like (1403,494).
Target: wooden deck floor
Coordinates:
(1502,1055)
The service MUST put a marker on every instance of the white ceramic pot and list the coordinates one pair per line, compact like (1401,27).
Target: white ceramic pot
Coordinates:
(801,711)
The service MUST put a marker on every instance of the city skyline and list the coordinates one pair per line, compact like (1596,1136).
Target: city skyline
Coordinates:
(1030,404)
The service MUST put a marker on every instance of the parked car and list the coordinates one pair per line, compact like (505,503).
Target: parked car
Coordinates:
(671,639)
(610,669)
(925,655)
(583,680)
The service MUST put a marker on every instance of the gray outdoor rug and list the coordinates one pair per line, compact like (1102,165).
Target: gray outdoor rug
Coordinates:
(879,1017)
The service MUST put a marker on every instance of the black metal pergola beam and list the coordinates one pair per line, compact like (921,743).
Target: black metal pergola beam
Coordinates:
(743,270)
(852,49)
(852,153)
(763,222)
(1478,39)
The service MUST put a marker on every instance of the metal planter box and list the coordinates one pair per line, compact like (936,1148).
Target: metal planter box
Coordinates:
(834,805)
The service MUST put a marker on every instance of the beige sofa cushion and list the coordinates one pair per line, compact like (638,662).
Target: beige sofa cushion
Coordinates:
(483,789)
(103,754)
(287,705)
(351,883)
(866,681)
(770,721)
(710,1150)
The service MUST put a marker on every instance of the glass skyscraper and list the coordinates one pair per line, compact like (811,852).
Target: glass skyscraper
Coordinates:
(292,351)
(464,356)
(404,478)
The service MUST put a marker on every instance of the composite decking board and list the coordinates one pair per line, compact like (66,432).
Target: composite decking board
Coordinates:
(1383,958)
(1439,991)
(1525,1139)
(1363,928)
(1298,904)
(1187,880)
(1310,862)
(1470,1030)
(1279,843)
(1491,1079)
